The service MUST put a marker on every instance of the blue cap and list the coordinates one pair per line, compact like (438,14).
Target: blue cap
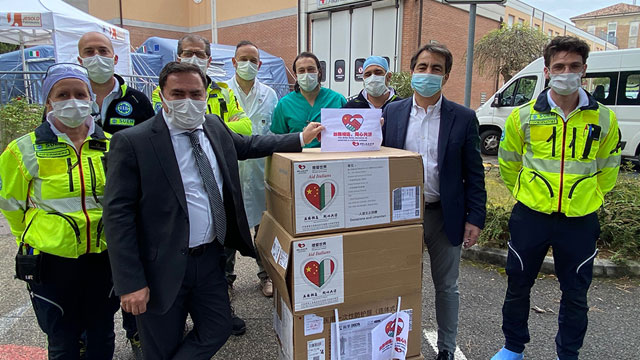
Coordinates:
(57,72)
(376,60)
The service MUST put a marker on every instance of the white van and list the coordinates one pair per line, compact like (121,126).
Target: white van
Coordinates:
(613,77)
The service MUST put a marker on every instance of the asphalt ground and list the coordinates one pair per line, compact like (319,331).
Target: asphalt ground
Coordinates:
(613,328)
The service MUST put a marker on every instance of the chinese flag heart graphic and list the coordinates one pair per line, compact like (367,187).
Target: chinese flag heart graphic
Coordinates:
(319,273)
(320,196)
(389,327)
(352,122)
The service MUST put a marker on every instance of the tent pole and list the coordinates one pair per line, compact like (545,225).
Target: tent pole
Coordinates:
(25,76)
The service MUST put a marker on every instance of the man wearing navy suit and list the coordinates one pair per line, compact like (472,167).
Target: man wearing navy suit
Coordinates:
(446,135)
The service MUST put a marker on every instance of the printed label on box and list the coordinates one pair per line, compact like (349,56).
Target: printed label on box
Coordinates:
(313,324)
(319,196)
(279,255)
(286,339)
(318,272)
(406,203)
(366,192)
(315,349)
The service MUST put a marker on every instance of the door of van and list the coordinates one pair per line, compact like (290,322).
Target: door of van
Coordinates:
(517,93)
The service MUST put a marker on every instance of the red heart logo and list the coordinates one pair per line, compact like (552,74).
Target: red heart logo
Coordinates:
(355,143)
(352,122)
(320,195)
(319,273)
(389,328)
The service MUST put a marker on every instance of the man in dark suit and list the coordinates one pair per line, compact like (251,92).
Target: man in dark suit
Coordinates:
(172,202)
(446,135)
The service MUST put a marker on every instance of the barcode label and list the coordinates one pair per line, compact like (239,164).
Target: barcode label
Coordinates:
(406,203)
(315,349)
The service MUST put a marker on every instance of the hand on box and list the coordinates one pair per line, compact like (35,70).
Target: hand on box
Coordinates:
(312,131)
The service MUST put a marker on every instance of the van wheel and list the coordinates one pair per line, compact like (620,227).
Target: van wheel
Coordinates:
(489,142)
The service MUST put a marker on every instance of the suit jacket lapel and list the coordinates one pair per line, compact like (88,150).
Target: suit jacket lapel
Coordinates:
(215,144)
(161,141)
(403,122)
(447,117)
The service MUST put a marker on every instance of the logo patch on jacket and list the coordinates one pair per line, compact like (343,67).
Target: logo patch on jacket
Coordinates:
(122,121)
(543,119)
(124,108)
(51,150)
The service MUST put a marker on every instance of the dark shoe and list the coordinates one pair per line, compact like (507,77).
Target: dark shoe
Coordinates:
(238,326)
(445,355)
(136,346)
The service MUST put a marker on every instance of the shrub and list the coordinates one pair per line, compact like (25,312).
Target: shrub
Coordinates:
(17,118)
(401,83)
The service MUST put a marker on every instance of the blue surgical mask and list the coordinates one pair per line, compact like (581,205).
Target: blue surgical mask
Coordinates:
(426,85)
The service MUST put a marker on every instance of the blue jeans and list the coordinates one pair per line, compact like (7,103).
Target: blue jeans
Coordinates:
(573,240)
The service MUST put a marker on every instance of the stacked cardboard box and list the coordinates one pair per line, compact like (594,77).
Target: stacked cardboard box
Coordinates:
(342,231)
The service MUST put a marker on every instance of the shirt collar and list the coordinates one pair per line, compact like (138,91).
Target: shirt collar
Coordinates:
(174,130)
(583,99)
(435,107)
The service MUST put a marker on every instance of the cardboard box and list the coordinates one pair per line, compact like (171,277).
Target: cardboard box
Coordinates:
(356,267)
(309,336)
(313,192)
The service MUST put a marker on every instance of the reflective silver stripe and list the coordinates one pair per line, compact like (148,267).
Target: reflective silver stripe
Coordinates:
(524,114)
(67,205)
(586,261)
(604,121)
(609,162)
(28,154)
(506,155)
(518,255)
(10,204)
(49,301)
(553,166)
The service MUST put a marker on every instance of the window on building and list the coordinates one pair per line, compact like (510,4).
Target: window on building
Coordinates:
(521,21)
(557,33)
(510,20)
(630,88)
(633,34)
(611,33)
(602,86)
(591,29)
(537,26)
(550,32)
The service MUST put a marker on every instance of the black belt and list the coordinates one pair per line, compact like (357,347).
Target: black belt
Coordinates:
(199,250)
(432,205)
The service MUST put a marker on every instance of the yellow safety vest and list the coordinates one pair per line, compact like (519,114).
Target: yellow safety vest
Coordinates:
(51,194)
(221,101)
(552,165)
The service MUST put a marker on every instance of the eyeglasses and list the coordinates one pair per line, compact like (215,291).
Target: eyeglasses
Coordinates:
(188,53)
(66,69)
(560,68)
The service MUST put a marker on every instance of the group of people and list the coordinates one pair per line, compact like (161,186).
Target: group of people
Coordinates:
(119,202)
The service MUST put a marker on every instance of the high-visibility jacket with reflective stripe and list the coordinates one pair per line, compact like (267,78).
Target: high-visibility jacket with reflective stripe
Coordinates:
(51,194)
(221,101)
(552,165)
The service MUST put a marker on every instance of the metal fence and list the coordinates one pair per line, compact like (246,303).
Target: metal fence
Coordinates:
(28,85)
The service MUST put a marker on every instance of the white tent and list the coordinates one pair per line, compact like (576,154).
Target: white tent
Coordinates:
(37,22)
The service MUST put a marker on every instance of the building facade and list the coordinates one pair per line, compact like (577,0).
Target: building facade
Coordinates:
(617,24)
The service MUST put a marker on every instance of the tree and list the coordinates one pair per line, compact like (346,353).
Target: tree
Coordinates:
(507,50)
(5,48)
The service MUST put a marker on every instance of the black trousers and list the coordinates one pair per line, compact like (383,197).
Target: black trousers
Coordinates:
(203,295)
(76,295)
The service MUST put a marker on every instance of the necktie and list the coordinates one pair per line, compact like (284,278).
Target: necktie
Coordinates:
(210,186)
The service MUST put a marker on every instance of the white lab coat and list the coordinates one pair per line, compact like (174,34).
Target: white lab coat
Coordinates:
(258,105)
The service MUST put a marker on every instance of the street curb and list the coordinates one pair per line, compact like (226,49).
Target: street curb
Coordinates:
(601,267)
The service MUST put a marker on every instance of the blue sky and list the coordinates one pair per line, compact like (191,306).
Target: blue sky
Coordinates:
(565,9)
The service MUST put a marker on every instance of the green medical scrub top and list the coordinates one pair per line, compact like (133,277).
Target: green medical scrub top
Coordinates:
(293,111)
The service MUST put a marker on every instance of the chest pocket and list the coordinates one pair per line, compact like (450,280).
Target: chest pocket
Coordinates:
(588,141)
(546,140)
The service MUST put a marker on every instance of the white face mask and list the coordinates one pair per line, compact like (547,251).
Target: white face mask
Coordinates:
(375,85)
(308,81)
(185,114)
(201,63)
(565,83)
(73,112)
(247,70)
(100,68)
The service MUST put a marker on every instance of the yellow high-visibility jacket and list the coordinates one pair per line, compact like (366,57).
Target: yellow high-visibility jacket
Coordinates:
(221,101)
(552,165)
(51,194)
